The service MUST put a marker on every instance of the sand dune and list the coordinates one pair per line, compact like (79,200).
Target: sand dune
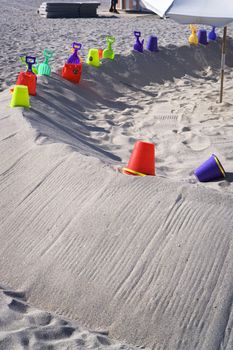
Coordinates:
(148,259)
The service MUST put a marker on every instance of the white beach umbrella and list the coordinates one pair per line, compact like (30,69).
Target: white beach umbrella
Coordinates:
(216,13)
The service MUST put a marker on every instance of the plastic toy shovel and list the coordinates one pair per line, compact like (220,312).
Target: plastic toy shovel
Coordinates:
(74,58)
(109,53)
(30,60)
(44,68)
(23,60)
(138,46)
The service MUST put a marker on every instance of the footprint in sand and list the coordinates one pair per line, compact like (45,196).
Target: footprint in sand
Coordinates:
(54,333)
(16,295)
(196,143)
(17,306)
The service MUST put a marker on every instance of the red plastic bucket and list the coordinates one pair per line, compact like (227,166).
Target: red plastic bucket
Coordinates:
(72,72)
(28,79)
(142,160)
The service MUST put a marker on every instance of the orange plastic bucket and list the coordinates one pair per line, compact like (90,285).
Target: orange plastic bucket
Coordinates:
(100,52)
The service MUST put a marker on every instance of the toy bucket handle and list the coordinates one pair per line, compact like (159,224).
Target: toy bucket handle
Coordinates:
(48,53)
(77,46)
(110,39)
(30,59)
(137,34)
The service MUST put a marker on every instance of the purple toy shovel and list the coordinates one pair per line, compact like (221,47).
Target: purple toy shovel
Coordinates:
(138,46)
(74,58)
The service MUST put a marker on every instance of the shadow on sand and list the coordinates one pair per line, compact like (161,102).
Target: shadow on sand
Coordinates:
(73,114)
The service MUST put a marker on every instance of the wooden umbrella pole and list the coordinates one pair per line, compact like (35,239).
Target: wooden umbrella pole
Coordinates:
(223,62)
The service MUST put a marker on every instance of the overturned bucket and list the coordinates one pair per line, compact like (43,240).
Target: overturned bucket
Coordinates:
(152,44)
(210,170)
(142,160)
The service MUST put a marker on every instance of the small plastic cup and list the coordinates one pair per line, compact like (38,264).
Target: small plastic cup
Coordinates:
(152,44)
(20,97)
(202,37)
(93,58)
(210,170)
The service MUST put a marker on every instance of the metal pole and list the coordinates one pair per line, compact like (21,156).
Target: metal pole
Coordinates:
(223,62)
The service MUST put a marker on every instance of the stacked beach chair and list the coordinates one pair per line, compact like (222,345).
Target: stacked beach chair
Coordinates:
(68,10)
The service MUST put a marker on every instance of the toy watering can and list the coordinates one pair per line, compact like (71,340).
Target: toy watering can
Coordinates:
(74,58)
(23,60)
(193,39)
(212,35)
(44,68)
(138,46)
(109,53)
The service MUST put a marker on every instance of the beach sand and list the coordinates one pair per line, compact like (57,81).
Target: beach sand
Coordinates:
(24,327)
(147,259)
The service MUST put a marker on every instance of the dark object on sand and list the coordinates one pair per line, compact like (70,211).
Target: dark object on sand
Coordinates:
(68,9)
(113,6)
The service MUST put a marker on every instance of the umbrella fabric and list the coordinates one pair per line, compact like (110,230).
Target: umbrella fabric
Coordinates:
(210,12)
(158,6)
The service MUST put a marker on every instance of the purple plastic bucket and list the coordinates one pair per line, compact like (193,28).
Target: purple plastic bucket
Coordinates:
(152,44)
(212,35)
(210,170)
(202,37)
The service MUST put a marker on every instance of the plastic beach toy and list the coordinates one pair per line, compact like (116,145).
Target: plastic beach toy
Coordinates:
(23,60)
(44,68)
(100,51)
(212,35)
(93,58)
(109,53)
(74,58)
(193,39)
(202,37)
(28,78)
(152,44)
(20,96)
(138,46)
(30,60)
(211,169)
(72,69)
(72,72)
(142,160)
